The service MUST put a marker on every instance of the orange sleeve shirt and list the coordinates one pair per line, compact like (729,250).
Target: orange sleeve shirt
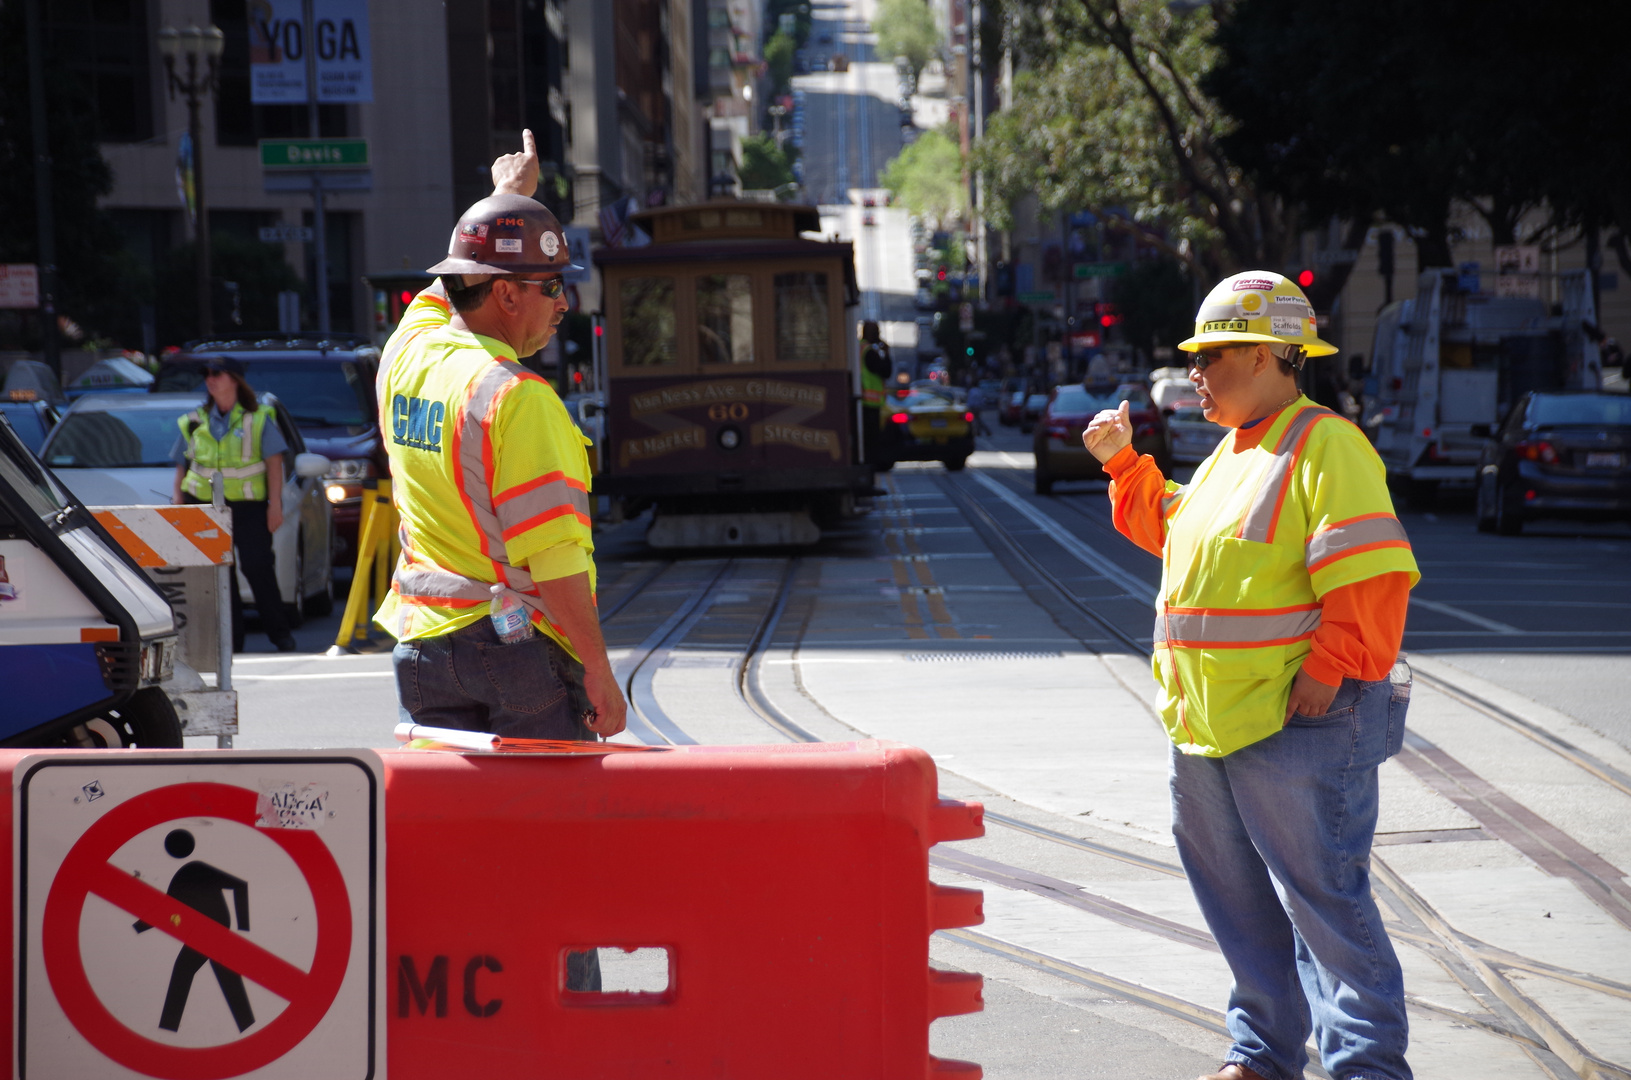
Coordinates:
(1361,625)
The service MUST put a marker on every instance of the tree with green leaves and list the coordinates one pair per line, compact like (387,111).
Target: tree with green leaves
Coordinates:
(927,178)
(764,163)
(779,63)
(1361,107)
(906,31)
(1109,113)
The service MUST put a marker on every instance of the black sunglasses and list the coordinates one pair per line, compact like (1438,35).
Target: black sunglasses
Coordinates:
(551,287)
(1204,358)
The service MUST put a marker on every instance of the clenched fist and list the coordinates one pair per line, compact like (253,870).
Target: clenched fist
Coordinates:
(1108,433)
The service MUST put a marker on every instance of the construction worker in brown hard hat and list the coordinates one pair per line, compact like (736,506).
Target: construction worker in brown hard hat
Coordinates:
(491,479)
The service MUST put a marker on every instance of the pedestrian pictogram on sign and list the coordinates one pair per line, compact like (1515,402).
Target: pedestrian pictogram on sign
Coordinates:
(172,927)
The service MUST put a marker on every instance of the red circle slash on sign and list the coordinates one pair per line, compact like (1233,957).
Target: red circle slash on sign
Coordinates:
(86,871)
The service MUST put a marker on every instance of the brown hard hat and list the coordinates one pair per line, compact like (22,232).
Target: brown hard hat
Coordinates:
(506,234)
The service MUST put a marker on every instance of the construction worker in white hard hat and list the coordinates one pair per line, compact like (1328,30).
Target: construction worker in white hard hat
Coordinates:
(1285,580)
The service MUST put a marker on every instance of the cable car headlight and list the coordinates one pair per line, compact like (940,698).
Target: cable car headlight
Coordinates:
(729,438)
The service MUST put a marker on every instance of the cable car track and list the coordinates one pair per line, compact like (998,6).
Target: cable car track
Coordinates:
(1481,968)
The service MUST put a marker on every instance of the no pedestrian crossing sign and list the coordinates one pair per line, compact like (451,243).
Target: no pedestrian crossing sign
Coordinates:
(199,916)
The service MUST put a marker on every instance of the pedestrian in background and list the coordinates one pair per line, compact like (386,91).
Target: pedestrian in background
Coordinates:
(1285,581)
(233,434)
(875,368)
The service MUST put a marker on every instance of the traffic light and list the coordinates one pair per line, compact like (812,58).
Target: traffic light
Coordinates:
(1108,313)
(1306,278)
(406,297)
(940,274)
(969,351)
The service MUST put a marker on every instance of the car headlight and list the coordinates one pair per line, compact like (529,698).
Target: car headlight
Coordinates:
(158,660)
(350,470)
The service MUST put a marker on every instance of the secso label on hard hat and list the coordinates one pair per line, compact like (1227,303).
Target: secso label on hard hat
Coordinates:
(200,915)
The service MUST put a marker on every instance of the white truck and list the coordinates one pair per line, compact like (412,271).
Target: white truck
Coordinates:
(1447,365)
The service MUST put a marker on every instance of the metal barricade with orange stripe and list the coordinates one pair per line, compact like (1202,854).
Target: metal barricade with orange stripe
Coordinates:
(187,553)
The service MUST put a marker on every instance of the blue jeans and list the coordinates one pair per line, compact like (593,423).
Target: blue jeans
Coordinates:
(470,680)
(1276,841)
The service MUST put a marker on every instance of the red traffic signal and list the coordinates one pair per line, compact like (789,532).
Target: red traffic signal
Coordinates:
(940,275)
(1306,278)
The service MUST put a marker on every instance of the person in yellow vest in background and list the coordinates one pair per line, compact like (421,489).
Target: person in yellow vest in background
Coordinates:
(875,365)
(491,479)
(234,434)
(1285,578)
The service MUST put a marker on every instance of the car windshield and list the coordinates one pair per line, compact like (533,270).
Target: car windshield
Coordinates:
(316,393)
(1075,399)
(924,399)
(114,439)
(1589,409)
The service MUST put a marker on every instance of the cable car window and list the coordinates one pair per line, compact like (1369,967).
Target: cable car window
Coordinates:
(725,319)
(648,321)
(802,323)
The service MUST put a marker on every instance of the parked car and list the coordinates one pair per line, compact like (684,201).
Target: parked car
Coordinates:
(928,425)
(328,385)
(1191,435)
(1559,454)
(1058,447)
(114,450)
(31,417)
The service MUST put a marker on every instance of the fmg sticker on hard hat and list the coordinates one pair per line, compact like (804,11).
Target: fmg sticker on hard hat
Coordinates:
(200,915)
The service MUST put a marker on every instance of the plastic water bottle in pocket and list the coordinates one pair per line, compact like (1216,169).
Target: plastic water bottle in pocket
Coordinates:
(509,616)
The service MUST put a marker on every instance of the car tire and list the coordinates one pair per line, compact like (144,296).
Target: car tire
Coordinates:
(1507,521)
(1026,429)
(1043,483)
(148,720)
(956,464)
(1484,512)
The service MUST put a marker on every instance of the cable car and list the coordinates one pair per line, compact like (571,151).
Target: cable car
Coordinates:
(731,372)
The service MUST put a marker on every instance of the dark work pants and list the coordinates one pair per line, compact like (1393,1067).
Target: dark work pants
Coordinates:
(871,435)
(252,544)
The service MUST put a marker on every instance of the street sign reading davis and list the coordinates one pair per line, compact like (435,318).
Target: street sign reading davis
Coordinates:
(314,153)
(200,915)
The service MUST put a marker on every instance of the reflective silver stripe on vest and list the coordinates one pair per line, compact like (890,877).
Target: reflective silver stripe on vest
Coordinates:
(1169,503)
(1259,520)
(1234,627)
(432,584)
(1354,534)
(241,471)
(472,471)
(515,512)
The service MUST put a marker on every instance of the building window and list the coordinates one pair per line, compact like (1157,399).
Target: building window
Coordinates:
(239,122)
(107,43)
(803,325)
(725,319)
(647,322)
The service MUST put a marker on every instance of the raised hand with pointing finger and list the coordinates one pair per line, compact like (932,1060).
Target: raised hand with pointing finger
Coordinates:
(517,174)
(1109,433)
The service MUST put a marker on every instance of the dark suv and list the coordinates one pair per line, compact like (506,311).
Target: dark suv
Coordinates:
(327,384)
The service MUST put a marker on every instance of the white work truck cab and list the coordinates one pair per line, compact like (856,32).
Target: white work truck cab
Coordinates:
(85,638)
(1447,366)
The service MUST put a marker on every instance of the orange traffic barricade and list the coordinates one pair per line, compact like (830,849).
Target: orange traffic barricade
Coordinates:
(755,911)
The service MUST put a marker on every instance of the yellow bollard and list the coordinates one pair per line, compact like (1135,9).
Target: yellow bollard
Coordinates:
(376,548)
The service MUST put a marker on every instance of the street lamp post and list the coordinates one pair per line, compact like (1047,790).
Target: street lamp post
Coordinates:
(194,45)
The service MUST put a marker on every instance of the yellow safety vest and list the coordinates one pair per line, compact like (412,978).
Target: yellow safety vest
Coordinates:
(1252,545)
(488,473)
(872,390)
(236,455)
